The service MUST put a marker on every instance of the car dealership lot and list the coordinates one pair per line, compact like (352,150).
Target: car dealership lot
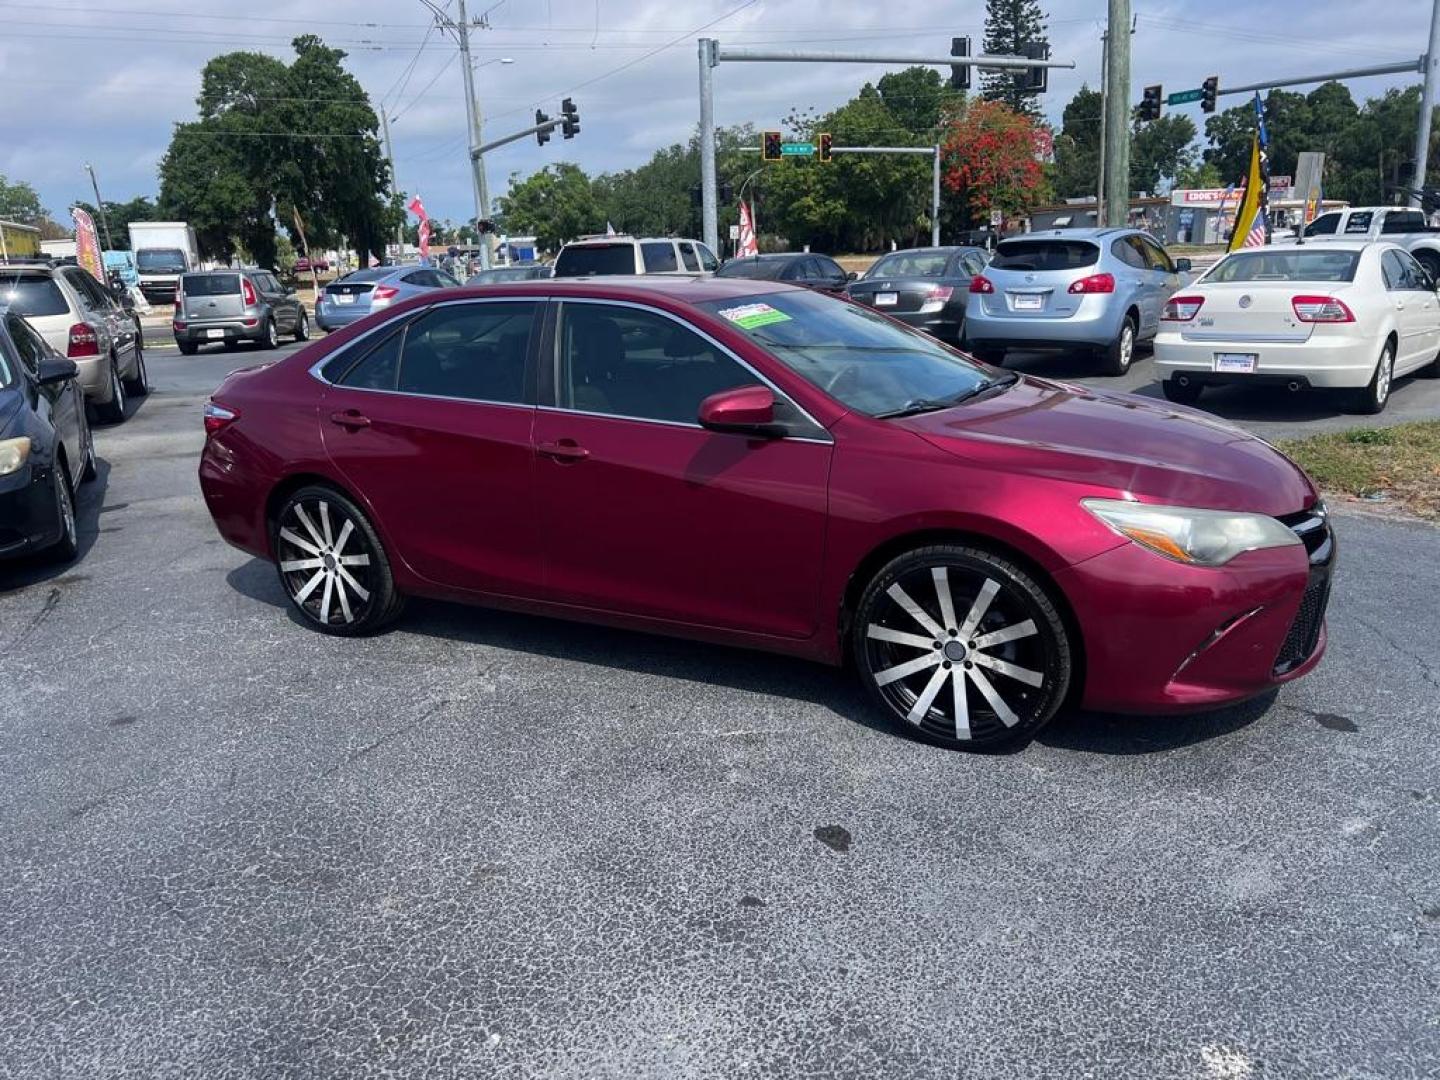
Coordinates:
(486,844)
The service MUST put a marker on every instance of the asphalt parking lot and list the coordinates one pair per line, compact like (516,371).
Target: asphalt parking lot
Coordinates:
(488,845)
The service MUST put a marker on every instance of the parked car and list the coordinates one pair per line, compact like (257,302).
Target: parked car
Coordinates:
(1323,315)
(375,288)
(927,288)
(797,268)
(527,271)
(226,307)
(302,265)
(46,448)
(81,319)
(604,255)
(1096,289)
(1403,226)
(757,464)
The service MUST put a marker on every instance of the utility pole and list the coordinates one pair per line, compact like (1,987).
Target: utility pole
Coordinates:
(1104,99)
(1117,115)
(472,111)
(1427,106)
(105,222)
(709,212)
(394,183)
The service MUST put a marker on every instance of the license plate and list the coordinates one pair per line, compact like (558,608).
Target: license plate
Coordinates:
(215,333)
(344,298)
(1241,362)
(1029,301)
(886,299)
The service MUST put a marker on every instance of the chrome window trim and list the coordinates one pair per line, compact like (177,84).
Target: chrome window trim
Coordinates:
(698,332)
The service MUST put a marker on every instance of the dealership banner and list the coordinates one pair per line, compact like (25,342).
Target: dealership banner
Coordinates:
(87,243)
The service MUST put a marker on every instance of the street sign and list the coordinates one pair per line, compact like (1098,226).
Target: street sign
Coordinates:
(1180,97)
(997,218)
(734,232)
(797,149)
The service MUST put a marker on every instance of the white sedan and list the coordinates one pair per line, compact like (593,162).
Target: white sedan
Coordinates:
(1325,315)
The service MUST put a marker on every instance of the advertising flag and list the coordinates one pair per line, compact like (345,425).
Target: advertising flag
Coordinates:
(1252,222)
(747,245)
(87,243)
(418,209)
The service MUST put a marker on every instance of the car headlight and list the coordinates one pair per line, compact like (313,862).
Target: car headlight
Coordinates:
(13,454)
(1197,537)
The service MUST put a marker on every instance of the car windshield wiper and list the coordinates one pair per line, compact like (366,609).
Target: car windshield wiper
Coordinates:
(911,408)
(989,384)
(924,405)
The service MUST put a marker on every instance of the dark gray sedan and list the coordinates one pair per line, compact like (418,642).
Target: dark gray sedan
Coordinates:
(927,288)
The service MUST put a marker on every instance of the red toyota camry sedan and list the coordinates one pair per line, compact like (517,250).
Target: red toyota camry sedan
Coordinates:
(761,465)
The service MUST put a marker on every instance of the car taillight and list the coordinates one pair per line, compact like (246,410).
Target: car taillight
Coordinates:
(383,292)
(83,341)
(249,291)
(218,417)
(935,298)
(981,284)
(1181,308)
(1095,283)
(1327,309)
(177,325)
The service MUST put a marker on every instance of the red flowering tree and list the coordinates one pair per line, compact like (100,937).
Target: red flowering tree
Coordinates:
(992,158)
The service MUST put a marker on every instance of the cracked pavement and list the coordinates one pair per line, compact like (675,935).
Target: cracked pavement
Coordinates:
(487,845)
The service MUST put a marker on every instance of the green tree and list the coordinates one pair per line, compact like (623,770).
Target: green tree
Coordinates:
(1159,150)
(1009,25)
(1077,147)
(918,98)
(19,203)
(556,205)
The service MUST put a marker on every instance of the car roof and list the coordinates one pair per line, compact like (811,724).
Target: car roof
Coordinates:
(772,256)
(376,273)
(621,238)
(1074,234)
(686,290)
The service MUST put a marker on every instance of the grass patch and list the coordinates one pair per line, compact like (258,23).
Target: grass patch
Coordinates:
(1401,463)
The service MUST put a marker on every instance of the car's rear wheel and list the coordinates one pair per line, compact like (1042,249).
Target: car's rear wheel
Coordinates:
(1187,393)
(113,411)
(88,470)
(302,327)
(1372,399)
(332,564)
(188,348)
(1118,356)
(962,647)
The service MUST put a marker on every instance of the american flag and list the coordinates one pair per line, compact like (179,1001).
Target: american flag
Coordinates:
(1259,234)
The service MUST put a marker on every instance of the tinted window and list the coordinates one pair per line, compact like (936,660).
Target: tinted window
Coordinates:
(687,253)
(796,270)
(161,261)
(659,257)
(210,284)
(84,283)
(1324,225)
(829,268)
(972,263)
(379,369)
(1044,255)
(708,262)
(596,259)
(445,280)
(471,351)
(1275,265)
(1125,250)
(628,362)
(755,269)
(32,294)
(1416,274)
(1359,222)
(25,344)
(910,264)
(1392,271)
(1155,255)
(1400,221)
(858,357)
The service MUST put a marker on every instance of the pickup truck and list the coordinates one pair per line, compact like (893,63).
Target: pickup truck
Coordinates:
(1401,225)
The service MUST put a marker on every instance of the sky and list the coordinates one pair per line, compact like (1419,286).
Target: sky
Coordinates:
(104,81)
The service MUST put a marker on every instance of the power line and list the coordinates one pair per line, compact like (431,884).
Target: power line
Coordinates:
(443,68)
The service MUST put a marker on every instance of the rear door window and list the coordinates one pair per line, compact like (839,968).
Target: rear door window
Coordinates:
(1127,252)
(1042,255)
(1402,221)
(1358,222)
(1324,225)
(471,351)
(659,257)
(708,262)
(25,345)
(589,259)
(692,261)
(32,294)
(1155,255)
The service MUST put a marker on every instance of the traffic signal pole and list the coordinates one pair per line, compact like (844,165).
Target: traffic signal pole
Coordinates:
(1427,106)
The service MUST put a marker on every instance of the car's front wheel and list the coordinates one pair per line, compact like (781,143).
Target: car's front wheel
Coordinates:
(332,564)
(962,646)
(138,385)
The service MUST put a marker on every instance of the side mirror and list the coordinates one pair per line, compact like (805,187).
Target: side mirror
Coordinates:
(1182,266)
(744,410)
(852,276)
(56,369)
(290,290)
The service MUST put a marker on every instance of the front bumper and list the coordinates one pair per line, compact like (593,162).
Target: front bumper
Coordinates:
(1338,363)
(1163,637)
(28,519)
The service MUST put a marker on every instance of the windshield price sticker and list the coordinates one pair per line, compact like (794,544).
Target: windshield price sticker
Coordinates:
(750,316)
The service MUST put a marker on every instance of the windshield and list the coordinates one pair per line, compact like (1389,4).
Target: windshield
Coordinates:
(861,359)
(596,259)
(758,269)
(32,294)
(1044,255)
(1289,266)
(161,261)
(910,264)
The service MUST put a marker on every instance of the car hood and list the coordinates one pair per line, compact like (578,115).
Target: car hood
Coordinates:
(1134,445)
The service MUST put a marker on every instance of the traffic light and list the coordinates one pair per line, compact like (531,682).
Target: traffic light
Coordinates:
(826,143)
(727,192)
(570,115)
(485,225)
(770,149)
(1150,104)
(959,73)
(1208,89)
(543,135)
(1036,79)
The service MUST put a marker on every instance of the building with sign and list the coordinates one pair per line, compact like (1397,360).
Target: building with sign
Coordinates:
(1206,215)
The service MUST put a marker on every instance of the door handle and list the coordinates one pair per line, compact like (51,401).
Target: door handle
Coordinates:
(564,450)
(350,419)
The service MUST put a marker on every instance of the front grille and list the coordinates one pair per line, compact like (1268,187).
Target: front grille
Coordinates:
(1313,528)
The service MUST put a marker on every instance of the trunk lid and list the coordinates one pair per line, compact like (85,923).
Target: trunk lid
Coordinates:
(1032,278)
(349,295)
(211,296)
(1252,311)
(900,294)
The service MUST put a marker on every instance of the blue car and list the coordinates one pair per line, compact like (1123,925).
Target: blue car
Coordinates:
(359,293)
(1096,289)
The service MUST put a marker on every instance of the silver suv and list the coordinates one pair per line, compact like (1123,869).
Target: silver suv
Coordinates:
(591,256)
(229,306)
(1096,289)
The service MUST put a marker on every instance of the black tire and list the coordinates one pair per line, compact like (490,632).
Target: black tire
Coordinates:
(1188,394)
(302,327)
(1120,353)
(87,436)
(1376,396)
(321,585)
(138,385)
(188,348)
(887,636)
(67,548)
(113,411)
(269,338)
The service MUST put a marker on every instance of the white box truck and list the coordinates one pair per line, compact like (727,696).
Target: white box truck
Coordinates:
(163,251)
